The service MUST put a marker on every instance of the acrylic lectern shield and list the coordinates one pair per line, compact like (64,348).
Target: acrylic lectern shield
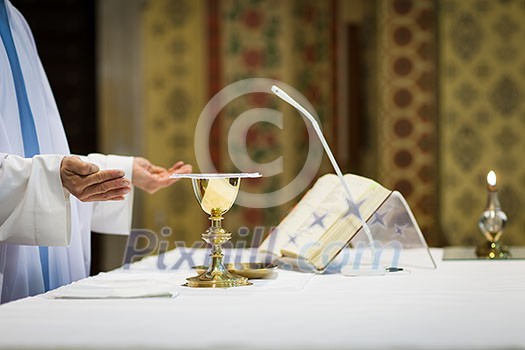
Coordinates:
(397,238)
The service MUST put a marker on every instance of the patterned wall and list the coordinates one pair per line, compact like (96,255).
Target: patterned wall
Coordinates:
(406,118)
(174,36)
(314,66)
(482,90)
(194,48)
(252,46)
(289,41)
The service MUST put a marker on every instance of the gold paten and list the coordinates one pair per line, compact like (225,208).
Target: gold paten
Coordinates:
(249,270)
(216,196)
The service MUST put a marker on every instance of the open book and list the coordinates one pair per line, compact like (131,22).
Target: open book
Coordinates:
(324,221)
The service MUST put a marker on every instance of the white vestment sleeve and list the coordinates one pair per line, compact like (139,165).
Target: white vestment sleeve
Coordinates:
(113,216)
(34,207)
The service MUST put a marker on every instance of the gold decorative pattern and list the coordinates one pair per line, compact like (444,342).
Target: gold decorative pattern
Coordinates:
(174,76)
(482,90)
(258,39)
(406,123)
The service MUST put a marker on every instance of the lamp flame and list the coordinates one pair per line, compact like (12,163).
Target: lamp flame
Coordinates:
(491,178)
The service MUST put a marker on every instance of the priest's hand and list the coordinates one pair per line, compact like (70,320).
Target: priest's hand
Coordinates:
(151,178)
(88,183)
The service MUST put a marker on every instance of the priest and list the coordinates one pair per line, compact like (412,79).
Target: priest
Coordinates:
(50,200)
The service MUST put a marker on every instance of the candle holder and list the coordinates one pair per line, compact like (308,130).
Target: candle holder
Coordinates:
(491,223)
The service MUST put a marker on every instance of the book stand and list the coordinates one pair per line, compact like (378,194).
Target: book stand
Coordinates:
(398,240)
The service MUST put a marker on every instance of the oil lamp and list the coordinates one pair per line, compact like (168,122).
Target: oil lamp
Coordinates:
(491,223)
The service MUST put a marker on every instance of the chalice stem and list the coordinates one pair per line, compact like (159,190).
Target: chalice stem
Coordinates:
(216,262)
(216,256)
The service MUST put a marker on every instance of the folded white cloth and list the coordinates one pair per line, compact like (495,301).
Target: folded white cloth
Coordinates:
(113,285)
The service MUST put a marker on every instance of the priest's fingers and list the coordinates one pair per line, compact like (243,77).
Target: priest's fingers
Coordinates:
(74,165)
(77,184)
(102,176)
(112,195)
(105,190)
(176,166)
(80,174)
(154,169)
(185,169)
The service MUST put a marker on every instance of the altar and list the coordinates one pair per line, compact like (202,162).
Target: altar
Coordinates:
(461,304)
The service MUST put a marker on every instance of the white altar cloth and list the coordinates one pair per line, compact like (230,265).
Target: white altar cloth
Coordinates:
(461,304)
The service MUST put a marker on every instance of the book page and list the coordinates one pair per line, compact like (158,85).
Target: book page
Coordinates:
(345,228)
(323,218)
(287,230)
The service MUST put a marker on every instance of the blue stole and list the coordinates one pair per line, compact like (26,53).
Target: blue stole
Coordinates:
(27,123)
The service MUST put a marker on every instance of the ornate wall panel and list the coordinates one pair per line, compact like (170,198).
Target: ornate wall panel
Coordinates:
(174,39)
(406,120)
(314,62)
(252,46)
(482,89)
(290,41)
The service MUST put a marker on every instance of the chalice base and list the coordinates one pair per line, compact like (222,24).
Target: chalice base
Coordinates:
(493,250)
(218,278)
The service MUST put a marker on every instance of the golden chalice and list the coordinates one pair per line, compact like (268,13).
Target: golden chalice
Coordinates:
(216,194)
